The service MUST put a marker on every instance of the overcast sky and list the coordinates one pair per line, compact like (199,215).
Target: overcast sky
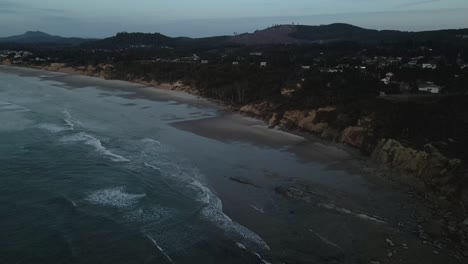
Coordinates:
(196,18)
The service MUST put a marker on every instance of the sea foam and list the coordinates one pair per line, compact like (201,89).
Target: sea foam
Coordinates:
(96,143)
(212,206)
(115,197)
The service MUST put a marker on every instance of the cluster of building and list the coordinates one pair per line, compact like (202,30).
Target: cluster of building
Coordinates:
(19,57)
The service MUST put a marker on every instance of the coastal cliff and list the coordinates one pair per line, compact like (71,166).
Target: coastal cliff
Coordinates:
(427,165)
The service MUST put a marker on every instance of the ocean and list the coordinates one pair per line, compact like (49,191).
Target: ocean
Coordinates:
(95,176)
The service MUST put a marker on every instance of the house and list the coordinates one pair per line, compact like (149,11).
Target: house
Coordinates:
(235,63)
(430,87)
(330,70)
(386,80)
(256,53)
(429,66)
(204,62)
(305,67)
(413,63)
(263,64)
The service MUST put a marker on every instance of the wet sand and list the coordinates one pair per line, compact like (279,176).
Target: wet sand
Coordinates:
(359,219)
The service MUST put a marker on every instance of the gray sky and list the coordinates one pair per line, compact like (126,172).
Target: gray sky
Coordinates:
(102,18)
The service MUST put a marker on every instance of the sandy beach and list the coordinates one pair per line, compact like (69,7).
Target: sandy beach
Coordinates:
(340,211)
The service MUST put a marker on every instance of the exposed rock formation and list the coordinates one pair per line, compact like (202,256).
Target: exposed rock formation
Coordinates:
(429,165)
(257,110)
(316,121)
(354,136)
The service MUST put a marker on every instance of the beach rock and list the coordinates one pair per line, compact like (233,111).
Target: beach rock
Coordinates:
(306,119)
(395,155)
(315,128)
(292,118)
(429,165)
(325,115)
(354,136)
(274,120)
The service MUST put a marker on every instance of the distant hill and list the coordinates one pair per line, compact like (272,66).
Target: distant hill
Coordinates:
(281,34)
(301,34)
(37,37)
(126,40)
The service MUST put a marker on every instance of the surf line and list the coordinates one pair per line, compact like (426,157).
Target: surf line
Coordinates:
(160,249)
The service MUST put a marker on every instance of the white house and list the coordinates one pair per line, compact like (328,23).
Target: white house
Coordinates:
(429,66)
(430,88)
(386,80)
(235,63)
(204,62)
(305,67)
(256,53)
(263,64)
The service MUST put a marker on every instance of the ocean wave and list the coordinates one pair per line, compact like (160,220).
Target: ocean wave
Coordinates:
(115,197)
(9,107)
(160,249)
(68,119)
(96,143)
(212,207)
(213,212)
(52,127)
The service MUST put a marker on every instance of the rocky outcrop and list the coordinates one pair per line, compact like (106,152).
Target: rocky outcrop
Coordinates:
(354,136)
(274,120)
(316,121)
(292,118)
(257,110)
(429,165)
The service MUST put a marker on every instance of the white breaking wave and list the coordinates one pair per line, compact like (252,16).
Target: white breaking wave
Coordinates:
(213,212)
(96,143)
(115,197)
(349,212)
(260,257)
(257,209)
(152,167)
(241,246)
(68,119)
(160,249)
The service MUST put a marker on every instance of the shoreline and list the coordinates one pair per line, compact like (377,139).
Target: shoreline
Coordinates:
(294,196)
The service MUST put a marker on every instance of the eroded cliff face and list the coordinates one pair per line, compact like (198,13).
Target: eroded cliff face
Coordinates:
(439,173)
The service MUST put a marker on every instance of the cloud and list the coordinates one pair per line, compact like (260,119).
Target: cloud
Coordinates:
(418,3)
(15,7)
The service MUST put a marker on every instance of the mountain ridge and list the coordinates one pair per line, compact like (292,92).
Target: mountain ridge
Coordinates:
(31,37)
(278,34)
